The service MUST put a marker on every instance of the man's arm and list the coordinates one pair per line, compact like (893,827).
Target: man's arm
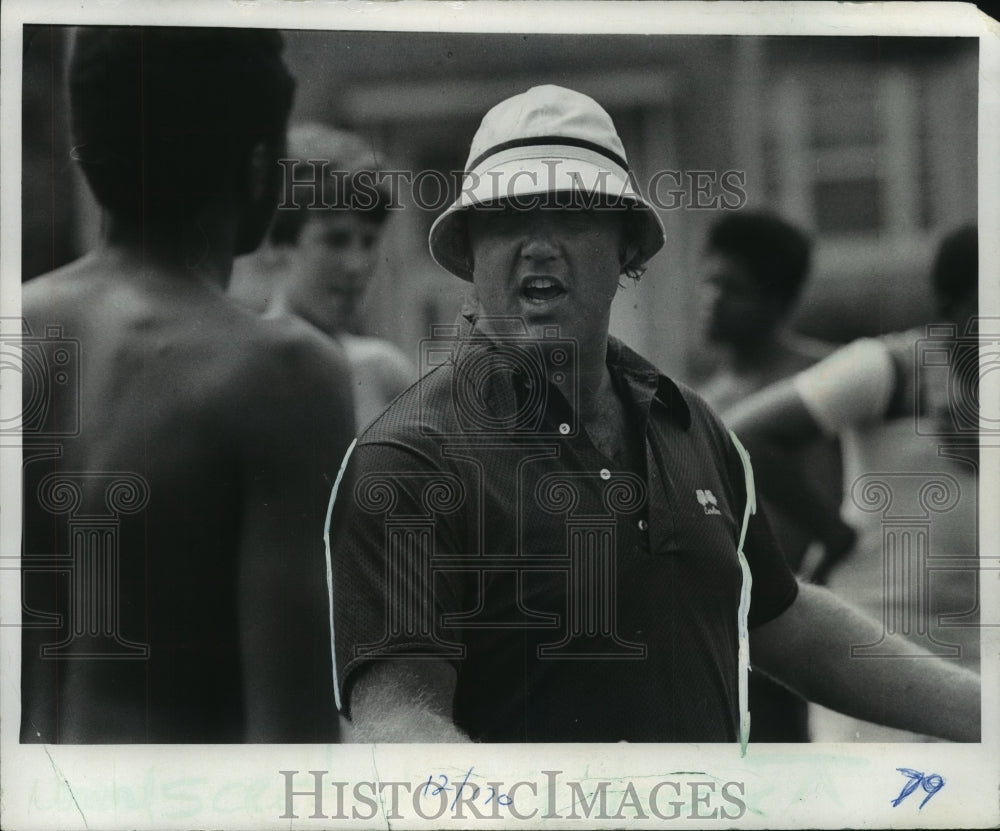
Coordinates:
(298,429)
(404,701)
(808,648)
(776,415)
(397,688)
(856,384)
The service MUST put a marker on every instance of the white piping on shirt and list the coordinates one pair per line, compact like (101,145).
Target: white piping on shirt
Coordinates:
(329,567)
(744,610)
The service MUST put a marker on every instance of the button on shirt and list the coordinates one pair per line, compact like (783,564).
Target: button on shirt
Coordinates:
(578,598)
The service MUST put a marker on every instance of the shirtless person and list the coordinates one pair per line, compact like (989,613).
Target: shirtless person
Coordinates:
(320,256)
(870,393)
(753,271)
(175,541)
(754,268)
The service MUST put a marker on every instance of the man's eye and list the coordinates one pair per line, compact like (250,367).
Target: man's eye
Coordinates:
(580,217)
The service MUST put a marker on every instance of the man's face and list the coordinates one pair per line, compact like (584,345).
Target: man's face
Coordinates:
(733,307)
(330,267)
(549,266)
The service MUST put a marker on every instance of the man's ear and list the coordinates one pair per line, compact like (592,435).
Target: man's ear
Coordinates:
(256,194)
(258,173)
(627,253)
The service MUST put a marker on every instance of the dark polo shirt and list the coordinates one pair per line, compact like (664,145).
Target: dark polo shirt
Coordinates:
(579,598)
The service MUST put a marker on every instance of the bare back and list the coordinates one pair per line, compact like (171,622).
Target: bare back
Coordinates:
(187,514)
(379,372)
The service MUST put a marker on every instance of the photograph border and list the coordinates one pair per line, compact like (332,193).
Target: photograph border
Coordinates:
(246,786)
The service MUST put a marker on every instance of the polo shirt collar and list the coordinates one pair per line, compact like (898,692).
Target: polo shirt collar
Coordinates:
(646,383)
(643,382)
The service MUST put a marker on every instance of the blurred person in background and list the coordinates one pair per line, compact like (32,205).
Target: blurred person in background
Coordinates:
(193,607)
(320,256)
(753,270)
(870,394)
(752,273)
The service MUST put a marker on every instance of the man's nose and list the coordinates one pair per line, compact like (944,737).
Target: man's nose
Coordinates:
(358,261)
(540,242)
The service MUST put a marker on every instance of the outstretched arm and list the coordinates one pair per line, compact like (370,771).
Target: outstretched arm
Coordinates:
(777,415)
(858,383)
(808,648)
(404,701)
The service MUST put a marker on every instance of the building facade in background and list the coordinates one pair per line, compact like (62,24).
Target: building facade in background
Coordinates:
(870,144)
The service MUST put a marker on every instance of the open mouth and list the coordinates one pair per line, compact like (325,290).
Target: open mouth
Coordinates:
(541,289)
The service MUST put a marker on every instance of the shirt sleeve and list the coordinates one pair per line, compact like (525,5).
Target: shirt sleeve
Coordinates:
(774,585)
(386,601)
(852,386)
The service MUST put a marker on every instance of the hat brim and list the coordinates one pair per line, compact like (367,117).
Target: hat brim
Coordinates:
(542,181)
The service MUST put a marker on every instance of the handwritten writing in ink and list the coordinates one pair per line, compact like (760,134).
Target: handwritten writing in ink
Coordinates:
(931,784)
(490,794)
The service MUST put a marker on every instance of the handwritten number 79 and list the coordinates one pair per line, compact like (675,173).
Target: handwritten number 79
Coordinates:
(931,785)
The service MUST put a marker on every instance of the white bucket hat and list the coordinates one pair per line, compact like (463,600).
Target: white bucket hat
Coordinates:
(546,141)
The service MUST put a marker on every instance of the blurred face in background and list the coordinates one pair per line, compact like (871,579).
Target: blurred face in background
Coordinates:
(733,308)
(330,267)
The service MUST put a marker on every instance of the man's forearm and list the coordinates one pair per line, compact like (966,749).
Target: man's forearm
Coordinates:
(404,701)
(775,414)
(809,649)
(415,725)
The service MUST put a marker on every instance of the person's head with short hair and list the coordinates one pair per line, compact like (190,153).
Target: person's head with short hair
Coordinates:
(753,270)
(548,219)
(955,276)
(168,123)
(328,229)
(955,284)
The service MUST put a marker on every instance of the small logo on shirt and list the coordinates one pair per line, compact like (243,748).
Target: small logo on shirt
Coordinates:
(708,501)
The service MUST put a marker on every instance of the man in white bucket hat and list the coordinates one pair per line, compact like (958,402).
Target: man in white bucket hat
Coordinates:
(531,155)
(546,539)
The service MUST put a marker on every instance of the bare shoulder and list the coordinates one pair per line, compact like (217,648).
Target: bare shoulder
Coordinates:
(362,349)
(286,374)
(287,351)
(191,353)
(379,358)
(58,295)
